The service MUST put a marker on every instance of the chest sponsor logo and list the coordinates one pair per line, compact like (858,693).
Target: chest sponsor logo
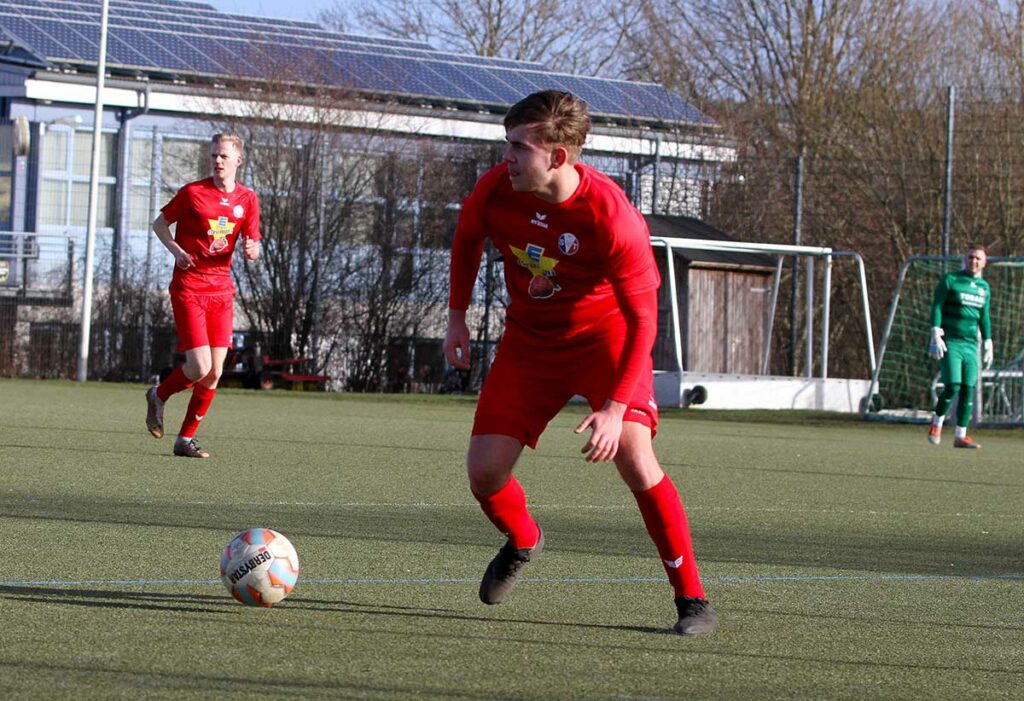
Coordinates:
(973,299)
(220,229)
(542,267)
(540,219)
(568,244)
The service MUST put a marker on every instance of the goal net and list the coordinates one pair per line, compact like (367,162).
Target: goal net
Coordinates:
(906,382)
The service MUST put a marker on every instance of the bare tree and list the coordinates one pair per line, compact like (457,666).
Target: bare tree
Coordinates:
(575,36)
(353,259)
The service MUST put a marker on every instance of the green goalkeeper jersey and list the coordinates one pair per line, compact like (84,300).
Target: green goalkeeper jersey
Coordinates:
(960,306)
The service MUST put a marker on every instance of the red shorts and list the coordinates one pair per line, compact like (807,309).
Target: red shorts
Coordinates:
(203,320)
(525,389)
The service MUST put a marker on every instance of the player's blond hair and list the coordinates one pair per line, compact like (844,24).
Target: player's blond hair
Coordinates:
(228,137)
(560,119)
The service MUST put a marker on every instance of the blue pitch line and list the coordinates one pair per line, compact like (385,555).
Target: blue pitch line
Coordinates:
(729,579)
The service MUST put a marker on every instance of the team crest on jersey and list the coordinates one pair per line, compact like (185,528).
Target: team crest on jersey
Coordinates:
(568,244)
(220,229)
(543,268)
(238,211)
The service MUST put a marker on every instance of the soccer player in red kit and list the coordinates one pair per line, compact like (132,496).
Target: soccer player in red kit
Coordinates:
(211,215)
(582,319)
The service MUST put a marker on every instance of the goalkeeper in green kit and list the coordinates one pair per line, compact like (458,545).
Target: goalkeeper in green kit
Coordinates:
(960,306)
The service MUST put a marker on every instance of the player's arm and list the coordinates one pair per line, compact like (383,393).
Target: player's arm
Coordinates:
(162,229)
(634,277)
(251,233)
(936,346)
(467,250)
(985,322)
(938,299)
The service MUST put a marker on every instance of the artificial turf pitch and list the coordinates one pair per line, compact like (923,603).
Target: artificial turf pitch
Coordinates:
(846,559)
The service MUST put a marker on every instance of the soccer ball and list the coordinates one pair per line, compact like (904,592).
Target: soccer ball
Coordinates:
(259,567)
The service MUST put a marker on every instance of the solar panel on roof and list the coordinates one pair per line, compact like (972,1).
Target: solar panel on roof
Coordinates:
(189,38)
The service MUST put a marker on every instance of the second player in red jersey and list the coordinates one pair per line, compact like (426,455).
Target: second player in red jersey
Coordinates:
(582,319)
(211,216)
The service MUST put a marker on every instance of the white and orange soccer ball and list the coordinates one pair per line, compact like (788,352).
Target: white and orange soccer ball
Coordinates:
(259,567)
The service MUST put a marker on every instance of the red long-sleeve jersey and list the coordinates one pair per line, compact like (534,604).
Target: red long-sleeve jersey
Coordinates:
(577,272)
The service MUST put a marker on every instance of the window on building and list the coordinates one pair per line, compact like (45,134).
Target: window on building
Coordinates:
(6,174)
(183,161)
(140,173)
(65,168)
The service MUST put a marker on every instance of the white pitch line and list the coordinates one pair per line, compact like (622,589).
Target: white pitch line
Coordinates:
(580,507)
(354,581)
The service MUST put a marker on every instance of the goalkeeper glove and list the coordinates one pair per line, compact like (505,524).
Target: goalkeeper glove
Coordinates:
(988,355)
(937,347)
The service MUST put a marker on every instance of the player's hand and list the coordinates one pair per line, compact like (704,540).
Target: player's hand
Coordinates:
(937,347)
(456,340)
(251,248)
(606,429)
(184,260)
(988,354)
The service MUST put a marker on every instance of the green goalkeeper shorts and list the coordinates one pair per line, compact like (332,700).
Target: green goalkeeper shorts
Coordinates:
(959,366)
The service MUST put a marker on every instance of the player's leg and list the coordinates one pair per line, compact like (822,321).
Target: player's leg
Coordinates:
(968,355)
(665,518)
(514,407)
(949,373)
(208,363)
(190,324)
(198,362)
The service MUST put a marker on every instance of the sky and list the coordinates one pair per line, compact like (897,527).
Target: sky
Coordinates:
(284,9)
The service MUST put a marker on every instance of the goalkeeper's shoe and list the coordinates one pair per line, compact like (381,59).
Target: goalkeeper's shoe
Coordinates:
(934,434)
(188,448)
(154,413)
(696,617)
(965,442)
(503,571)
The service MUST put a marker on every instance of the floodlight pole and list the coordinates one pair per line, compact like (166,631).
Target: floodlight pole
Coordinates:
(94,177)
(798,206)
(947,186)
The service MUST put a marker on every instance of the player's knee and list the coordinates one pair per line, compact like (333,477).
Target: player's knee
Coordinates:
(196,370)
(486,478)
(638,467)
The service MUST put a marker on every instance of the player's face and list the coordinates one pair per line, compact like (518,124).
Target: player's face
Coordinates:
(224,161)
(531,166)
(975,261)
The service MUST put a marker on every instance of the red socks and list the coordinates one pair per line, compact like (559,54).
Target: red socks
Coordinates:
(666,523)
(175,382)
(506,509)
(198,405)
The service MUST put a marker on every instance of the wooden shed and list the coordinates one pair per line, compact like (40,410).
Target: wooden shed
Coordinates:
(724,302)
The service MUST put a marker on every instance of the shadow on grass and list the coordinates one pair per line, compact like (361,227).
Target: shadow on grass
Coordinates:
(300,602)
(849,475)
(787,540)
(945,624)
(112,598)
(117,682)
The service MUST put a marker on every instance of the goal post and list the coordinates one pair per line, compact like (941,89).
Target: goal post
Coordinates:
(676,384)
(906,382)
